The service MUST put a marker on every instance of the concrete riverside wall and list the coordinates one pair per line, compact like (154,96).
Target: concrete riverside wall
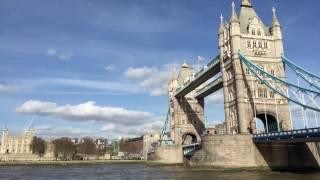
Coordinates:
(23,157)
(167,155)
(240,151)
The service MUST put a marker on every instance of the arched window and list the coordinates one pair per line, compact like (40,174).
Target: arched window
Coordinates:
(254,44)
(253,32)
(272,72)
(266,45)
(260,92)
(247,71)
(249,44)
(271,94)
(259,32)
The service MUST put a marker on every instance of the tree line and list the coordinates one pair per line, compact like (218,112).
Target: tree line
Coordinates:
(65,149)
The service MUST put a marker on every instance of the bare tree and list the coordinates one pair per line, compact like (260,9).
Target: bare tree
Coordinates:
(87,146)
(38,146)
(64,147)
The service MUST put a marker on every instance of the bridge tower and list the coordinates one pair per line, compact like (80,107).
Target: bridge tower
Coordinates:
(245,99)
(186,113)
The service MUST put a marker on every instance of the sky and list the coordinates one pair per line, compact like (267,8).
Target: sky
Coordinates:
(100,67)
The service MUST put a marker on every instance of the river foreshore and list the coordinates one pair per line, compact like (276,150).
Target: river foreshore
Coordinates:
(86,162)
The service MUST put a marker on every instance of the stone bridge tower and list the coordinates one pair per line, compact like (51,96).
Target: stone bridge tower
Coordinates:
(186,114)
(245,98)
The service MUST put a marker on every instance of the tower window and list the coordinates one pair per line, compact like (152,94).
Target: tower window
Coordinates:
(272,72)
(266,45)
(247,71)
(259,32)
(249,44)
(260,44)
(271,94)
(254,44)
(253,32)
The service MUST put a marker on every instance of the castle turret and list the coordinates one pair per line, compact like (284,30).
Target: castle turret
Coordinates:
(4,140)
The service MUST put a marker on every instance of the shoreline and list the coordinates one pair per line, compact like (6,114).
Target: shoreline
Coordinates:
(84,162)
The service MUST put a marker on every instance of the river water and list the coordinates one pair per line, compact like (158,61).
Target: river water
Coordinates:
(142,171)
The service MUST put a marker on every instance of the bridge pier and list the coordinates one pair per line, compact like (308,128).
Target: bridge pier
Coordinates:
(219,151)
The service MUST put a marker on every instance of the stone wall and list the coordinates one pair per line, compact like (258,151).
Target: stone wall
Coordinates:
(240,151)
(167,155)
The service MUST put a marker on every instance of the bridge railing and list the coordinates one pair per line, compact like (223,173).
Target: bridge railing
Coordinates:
(305,135)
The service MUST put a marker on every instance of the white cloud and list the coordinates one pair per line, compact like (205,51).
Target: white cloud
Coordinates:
(62,85)
(62,56)
(52,131)
(88,111)
(7,88)
(110,68)
(153,79)
(115,130)
(139,73)
(215,98)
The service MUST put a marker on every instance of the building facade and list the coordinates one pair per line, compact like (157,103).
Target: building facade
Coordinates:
(246,100)
(16,144)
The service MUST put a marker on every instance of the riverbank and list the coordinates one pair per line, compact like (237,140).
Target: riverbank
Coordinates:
(84,162)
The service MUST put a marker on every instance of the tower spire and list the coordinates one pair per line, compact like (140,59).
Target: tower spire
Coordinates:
(275,21)
(234,16)
(221,24)
(246,3)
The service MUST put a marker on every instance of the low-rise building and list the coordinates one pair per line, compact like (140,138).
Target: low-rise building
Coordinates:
(149,140)
(16,144)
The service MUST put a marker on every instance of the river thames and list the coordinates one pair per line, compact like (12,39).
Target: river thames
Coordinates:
(142,171)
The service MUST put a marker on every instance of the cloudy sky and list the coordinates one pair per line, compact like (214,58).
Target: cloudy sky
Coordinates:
(100,67)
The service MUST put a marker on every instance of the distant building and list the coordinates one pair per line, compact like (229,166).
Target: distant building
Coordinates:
(19,144)
(101,143)
(132,146)
(149,141)
(75,140)
(216,129)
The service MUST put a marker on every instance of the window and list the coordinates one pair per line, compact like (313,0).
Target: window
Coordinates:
(260,44)
(262,93)
(265,93)
(259,32)
(253,32)
(253,93)
(272,72)
(266,45)
(247,71)
(249,44)
(254,44)
(271,94)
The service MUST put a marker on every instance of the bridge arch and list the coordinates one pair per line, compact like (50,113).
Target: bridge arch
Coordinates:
(265,121)
(190,138)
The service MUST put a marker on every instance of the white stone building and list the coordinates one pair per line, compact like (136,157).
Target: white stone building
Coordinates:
(16,144)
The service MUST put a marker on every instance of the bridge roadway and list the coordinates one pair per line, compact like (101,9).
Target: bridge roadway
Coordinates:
(207,72)
(299,135)
(210,88)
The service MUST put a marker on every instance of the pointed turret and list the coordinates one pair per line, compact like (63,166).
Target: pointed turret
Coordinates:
(234,16)
(221,25)
(184,74)
(275,21)
(246,3)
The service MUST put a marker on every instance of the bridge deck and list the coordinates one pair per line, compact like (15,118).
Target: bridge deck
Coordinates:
(202,76)
(210,88)
(300,135)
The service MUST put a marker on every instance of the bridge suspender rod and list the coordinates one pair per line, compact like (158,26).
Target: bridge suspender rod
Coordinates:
(275,101)
(253,94)
(292,126)
(265,115)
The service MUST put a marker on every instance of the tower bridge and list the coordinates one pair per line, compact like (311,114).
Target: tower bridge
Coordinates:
(250,69)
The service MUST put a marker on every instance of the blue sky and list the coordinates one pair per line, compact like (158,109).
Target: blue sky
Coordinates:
(100,68)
